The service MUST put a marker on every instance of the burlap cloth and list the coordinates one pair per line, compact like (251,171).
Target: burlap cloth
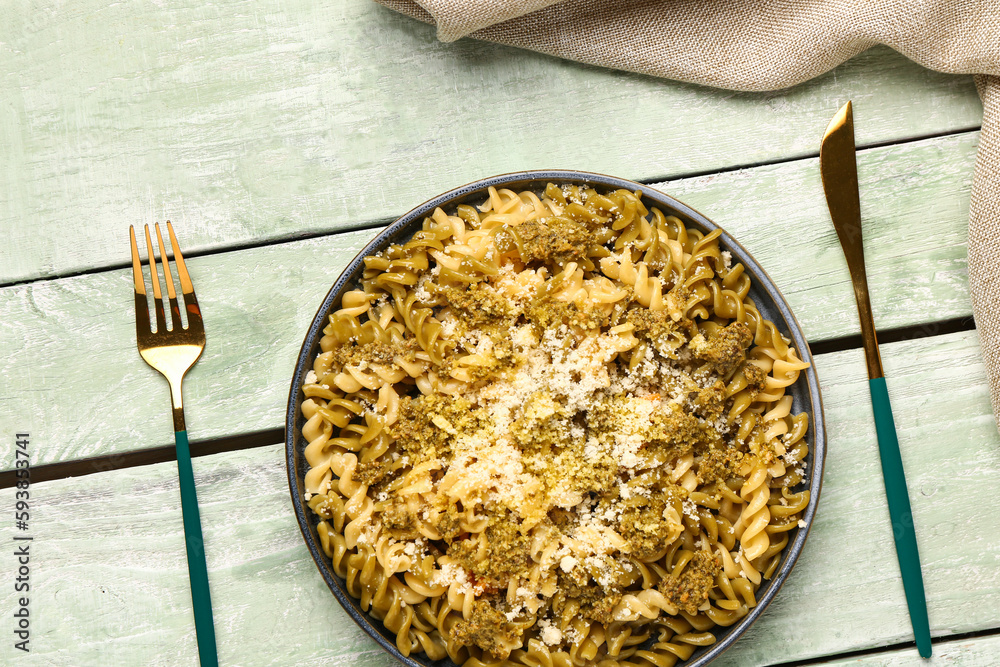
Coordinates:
(760,45)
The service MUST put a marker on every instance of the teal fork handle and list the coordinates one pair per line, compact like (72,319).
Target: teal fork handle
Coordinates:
(198,572)
(902,517)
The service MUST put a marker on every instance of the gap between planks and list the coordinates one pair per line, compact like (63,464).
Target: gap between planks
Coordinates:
(143,457)
(383,222)
(890,648)
(860,148)
(96,464)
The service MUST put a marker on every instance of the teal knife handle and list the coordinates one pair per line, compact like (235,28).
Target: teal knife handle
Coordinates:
(198,572)
(902,517)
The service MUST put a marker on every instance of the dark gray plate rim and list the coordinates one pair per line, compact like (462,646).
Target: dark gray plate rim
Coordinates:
(805,392)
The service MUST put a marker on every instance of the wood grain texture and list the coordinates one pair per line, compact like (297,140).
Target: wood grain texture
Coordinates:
(254,121)
(980,652)
(70,343)
(914,208)
(109,577)
(78,377)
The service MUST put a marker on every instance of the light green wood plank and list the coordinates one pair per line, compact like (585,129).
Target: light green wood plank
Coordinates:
(69,344)
(980,652)
(72,363)
(109,574)
(261,120)
(915,210)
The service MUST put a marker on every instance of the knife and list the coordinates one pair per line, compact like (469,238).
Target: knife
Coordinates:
(839,169)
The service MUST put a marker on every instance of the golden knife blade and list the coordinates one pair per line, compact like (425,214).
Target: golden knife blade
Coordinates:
(840,181)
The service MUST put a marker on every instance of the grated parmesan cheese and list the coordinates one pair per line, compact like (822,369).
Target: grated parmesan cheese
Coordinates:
(551,635)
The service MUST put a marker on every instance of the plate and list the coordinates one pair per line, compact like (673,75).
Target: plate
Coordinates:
(805,392)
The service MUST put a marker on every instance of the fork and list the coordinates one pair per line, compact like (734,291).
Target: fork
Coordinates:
(173,352)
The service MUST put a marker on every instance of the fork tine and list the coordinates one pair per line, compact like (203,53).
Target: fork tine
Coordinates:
(168,276)
(154,277)
(141,306)
(190,300)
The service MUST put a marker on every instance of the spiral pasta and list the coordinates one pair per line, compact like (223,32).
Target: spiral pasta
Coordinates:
(552,430)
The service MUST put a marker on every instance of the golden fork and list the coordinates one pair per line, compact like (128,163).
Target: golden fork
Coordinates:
(173,352)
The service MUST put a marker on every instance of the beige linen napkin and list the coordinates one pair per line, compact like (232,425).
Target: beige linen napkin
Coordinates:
(759,45)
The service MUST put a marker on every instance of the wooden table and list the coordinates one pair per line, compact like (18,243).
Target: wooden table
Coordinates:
(279,137)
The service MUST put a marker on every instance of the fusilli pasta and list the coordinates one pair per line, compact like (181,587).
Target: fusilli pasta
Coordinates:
(552,430)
